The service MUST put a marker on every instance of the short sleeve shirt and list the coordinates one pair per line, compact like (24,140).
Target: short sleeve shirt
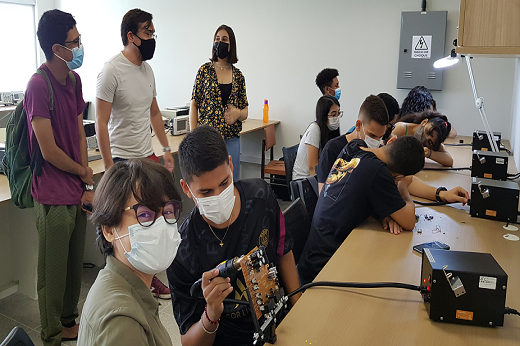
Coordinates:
(54,186)
(208,96)
(359,185)
(130,89)
(260,223)
(311,137)
(328,155)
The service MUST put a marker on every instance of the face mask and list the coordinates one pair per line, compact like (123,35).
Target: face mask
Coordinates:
(419,134)
(337,93)
(154,247)
(77,57)
(371,142)
(217,209)
(147,48)
(333,123)
(221,48)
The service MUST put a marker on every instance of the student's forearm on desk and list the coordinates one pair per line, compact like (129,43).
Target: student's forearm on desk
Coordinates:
(405,216)
(442,156)
(420,189)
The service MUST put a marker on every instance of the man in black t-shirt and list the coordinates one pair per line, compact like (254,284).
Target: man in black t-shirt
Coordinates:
(229,220)
(370,126)
(361,183)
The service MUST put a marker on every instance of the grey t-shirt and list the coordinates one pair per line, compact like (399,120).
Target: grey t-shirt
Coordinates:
(310,137)
(130,89)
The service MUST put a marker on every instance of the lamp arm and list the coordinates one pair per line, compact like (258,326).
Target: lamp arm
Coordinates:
(479,104)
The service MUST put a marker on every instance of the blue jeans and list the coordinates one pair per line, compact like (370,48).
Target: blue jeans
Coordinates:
(233,148)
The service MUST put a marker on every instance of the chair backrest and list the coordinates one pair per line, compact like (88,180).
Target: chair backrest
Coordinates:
(17,337)
(270,137)
(289,156)
(297,225)
(307,190)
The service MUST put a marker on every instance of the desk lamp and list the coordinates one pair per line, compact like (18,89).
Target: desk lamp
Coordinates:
(452,59)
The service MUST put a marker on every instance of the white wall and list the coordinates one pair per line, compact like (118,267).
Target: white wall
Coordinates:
(515,128)
(282,45)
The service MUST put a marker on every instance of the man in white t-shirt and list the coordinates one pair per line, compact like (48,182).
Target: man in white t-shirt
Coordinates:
(126,106)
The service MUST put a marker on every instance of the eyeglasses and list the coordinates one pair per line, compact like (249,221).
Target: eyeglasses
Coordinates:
(148,36)
(338,114)
(146,217)
(75,42)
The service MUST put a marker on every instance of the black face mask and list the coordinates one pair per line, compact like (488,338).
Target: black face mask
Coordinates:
(221,48)
(147,48)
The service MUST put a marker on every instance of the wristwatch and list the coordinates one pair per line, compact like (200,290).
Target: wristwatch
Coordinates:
(88,187)
(166,149)
(439,189)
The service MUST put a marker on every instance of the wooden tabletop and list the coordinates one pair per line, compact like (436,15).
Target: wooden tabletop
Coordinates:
(98,167)
(337,316)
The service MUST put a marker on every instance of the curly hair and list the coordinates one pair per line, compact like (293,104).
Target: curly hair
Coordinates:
(325,77)
(419,99)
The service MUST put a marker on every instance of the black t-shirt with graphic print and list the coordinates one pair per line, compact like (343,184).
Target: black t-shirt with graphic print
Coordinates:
(359,185)
(260,222)
(328,156)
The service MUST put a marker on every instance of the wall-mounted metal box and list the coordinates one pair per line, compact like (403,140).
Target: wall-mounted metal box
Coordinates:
(423,36)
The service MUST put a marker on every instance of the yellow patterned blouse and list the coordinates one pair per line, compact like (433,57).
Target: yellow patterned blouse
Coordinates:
(206,93)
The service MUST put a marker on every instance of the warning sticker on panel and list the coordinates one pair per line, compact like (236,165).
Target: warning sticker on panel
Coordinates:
(422,47)
(488,283)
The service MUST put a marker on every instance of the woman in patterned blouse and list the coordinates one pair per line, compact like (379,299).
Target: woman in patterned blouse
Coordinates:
(219,94)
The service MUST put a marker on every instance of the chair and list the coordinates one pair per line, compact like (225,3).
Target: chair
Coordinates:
(297,225)
(17,337)
(307,190)
(289,157)
(274,167)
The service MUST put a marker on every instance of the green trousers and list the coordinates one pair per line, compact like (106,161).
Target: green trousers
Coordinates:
(61,235)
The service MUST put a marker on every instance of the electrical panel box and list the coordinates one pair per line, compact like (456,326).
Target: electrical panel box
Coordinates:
(423,36)
(463,287)
(489,165)
(494,199)
(481,141)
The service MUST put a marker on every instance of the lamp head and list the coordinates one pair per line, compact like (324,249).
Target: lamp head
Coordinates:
(450,60)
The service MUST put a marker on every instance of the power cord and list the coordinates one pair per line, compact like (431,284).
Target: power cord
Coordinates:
(359,285)
(510,311)
(432,204)
(448,169)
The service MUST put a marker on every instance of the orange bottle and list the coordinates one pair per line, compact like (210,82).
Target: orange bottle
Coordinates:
(266,111)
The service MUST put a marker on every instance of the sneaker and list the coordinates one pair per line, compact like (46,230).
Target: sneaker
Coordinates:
(159,290)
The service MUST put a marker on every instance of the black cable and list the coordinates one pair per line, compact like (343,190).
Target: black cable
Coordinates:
(88,265)
(458,144)
(432,203)
(358,285)
(447,169)
(510,311)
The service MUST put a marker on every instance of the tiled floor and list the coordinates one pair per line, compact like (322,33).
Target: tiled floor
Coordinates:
(20,310)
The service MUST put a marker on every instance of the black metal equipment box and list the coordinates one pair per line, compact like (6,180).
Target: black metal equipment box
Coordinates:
(463,287)
(481,142)
(494,199)
(489,165)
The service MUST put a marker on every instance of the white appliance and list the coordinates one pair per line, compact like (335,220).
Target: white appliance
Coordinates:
(177,119)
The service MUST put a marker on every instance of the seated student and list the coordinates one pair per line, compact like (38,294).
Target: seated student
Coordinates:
(432,129)
(319,132)
(370,126)
(136,208)
(229,220)
(328,83)
(363,181)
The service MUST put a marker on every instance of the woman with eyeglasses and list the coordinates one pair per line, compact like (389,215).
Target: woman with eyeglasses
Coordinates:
(432,129)
(136,210)
(319,132)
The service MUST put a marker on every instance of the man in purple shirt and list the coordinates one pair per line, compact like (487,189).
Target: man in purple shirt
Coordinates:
(65,182)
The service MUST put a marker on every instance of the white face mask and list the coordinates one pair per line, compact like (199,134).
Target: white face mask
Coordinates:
(333,123)
(153,247)
(371,142)
(217,208)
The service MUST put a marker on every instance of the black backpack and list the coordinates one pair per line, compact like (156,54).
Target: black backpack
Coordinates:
(19,165)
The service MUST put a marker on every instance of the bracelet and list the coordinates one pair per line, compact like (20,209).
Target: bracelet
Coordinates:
(207,331)
(430,153)
(206,313)
(437,193)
